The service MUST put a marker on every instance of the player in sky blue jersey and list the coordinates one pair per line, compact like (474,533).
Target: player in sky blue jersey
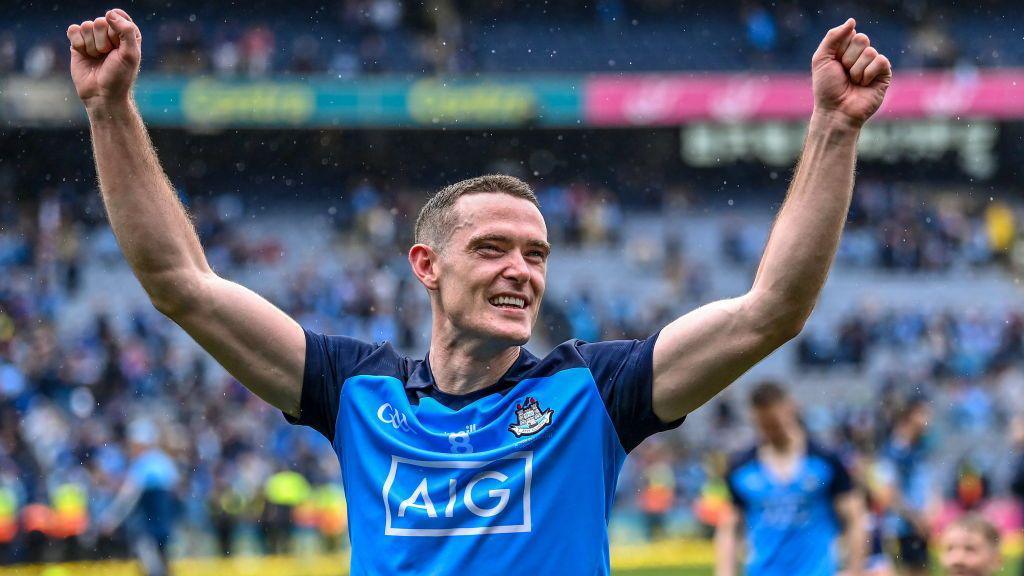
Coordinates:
(480,457)
(793,497)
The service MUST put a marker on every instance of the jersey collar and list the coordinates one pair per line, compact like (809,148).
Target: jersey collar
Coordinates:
(422,378)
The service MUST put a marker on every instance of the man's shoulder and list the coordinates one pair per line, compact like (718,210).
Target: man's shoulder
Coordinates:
(602,357)
(818,450)
(741,459)
(361,358)
(566,355)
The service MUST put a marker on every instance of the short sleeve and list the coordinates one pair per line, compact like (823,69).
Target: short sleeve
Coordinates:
(732,473)
(734,494)
(330,360)
(842,482)
(624,373)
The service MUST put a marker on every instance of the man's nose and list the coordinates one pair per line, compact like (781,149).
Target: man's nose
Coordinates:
(517,268)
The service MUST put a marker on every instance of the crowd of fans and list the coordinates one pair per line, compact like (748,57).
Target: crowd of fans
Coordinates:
(902,227)
(125,402)
(354,38)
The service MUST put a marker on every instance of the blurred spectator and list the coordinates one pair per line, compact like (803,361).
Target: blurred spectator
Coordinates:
(40,60)
(931,47)
(915,501)
(656,496)
(146,500)
(760,28)
(8,53)
(257,51)
(970,546)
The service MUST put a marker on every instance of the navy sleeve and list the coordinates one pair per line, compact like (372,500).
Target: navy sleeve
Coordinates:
(732,472)
(734,494)
(330,360)
(841,480)
(624,373)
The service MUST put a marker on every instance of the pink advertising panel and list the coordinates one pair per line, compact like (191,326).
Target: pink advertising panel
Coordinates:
(665,99)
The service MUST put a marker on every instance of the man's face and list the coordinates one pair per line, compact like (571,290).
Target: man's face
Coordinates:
(491,273)
(919,418)
(773,422)
(967,553)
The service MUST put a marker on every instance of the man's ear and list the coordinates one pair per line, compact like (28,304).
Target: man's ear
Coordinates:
(423,261)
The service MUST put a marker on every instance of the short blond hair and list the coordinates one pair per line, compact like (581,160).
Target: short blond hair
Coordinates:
(976,524)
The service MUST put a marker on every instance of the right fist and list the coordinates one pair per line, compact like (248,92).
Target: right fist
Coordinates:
(105,56)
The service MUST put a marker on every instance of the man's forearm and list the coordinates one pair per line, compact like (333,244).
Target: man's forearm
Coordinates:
(805,236)
(151,226)
(725,549)
(856,545)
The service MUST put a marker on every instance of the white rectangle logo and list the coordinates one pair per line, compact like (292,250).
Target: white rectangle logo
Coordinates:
(458,497)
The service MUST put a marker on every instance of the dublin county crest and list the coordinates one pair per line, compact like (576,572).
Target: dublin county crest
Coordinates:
(531,419)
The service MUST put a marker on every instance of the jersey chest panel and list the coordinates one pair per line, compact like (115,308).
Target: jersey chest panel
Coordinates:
(522,480)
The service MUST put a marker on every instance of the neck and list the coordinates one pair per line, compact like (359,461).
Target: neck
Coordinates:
(794,440)
(461,368)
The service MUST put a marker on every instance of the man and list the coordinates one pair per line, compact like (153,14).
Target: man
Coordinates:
(147,500)
(915,500)
(794,498)
(970,547)
(480,457)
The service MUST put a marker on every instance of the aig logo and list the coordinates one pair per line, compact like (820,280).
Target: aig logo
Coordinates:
(458,498)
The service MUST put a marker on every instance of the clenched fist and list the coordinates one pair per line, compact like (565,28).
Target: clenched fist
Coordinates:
(850,77)
(105,55)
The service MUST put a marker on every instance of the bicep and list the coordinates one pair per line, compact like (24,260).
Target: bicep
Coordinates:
(257,343)
(702,352)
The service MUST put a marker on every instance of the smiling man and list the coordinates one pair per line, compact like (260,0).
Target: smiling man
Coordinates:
(481,457)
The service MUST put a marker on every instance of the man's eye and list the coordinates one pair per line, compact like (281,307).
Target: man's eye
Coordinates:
(490,248)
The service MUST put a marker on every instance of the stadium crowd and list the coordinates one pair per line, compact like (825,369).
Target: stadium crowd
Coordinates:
(903,227)
(84,411)
(354,38)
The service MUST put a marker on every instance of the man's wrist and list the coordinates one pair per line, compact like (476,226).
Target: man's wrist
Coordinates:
(833,121)
(107,109)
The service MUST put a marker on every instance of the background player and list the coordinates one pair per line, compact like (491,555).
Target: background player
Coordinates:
(482,257)
(146,503)
(915,501)
(794,498)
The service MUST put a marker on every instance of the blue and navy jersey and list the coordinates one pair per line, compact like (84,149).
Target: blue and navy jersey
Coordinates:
(518,477)
(791,525)
(156,476)
(910,471)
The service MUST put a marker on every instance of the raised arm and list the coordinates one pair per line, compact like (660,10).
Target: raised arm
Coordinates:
(699,354)
(256,342)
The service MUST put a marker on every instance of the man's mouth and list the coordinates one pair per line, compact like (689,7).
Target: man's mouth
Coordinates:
(508,302)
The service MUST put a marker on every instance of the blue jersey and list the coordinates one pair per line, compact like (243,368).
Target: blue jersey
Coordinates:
(518,477)
(156,476)
(909,470)
(791,525)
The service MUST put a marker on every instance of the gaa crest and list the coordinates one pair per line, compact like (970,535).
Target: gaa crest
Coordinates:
(531,419)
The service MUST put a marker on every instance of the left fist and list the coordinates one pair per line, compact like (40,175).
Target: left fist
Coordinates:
(849,76)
